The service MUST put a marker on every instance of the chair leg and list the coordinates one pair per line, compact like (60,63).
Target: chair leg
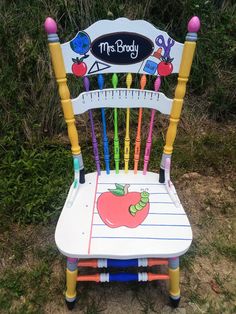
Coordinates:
(174,291)
(71,280)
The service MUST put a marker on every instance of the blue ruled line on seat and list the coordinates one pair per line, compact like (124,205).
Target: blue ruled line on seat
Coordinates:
(183,214)
(152,225)
(167,214)
(157,193)
(161,203)
(142,238)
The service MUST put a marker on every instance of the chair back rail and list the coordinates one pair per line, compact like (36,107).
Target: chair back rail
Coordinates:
(122,46)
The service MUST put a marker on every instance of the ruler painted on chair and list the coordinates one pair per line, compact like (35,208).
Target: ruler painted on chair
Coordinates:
(122,98)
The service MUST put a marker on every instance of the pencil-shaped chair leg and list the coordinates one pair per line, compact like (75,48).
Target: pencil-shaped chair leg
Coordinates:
(174,290)
(71,280)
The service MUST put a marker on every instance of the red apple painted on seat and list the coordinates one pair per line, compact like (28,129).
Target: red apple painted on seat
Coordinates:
(119,207)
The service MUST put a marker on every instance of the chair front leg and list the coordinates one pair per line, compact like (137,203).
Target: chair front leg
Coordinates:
(174,290)
(71,280)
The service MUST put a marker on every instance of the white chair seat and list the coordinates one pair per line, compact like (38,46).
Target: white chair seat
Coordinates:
(80,232)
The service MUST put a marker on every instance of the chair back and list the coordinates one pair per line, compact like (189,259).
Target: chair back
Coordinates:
(121,46)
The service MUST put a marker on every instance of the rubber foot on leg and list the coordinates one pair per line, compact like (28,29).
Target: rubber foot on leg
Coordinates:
(70,305)
(174,302)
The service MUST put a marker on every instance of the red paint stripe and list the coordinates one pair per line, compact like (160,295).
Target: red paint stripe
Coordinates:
(88,263)
(157,261)
(94,203)
(157,277)
(95,277)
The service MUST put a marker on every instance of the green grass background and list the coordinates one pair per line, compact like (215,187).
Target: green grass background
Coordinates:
(36,165)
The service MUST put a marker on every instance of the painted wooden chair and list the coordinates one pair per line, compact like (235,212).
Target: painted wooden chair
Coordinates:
(122,218)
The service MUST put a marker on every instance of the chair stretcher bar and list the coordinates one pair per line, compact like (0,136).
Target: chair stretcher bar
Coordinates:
(137,262)
(122,277)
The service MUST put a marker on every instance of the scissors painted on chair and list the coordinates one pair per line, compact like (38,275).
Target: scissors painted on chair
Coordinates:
(160,41)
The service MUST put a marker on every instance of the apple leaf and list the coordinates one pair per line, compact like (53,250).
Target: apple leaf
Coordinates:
(119,186)
(119,191)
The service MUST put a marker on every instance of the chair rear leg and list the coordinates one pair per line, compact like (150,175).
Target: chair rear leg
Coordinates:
(71,280)
(174,290)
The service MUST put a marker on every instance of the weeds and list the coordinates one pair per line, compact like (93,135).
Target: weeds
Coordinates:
(36,164)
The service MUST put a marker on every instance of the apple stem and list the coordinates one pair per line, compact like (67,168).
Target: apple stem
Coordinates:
(126,187)
(140,205)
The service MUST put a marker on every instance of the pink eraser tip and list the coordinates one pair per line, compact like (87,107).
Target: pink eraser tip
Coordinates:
(50,26)
(157,83)
(194,24)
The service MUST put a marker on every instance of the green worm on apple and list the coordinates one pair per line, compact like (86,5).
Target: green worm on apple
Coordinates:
(119,207)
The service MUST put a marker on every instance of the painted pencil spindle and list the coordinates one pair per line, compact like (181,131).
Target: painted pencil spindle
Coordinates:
(143,82)
(104,129)
(157,85)
(94,139)
(127,136)
(116,137)
(185,67)
(60,74)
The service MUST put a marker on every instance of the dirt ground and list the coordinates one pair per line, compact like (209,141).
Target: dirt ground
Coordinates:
(208,273)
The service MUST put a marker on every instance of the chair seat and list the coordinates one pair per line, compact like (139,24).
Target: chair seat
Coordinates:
(99,224)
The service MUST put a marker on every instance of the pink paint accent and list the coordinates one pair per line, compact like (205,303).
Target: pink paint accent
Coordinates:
(94,203)
(71,260)
(167,163)
(157,85)
(114,210)
(50,26)
(173,258)
(194,24)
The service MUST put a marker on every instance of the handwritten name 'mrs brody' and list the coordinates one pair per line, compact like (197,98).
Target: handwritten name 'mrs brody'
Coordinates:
(119,47)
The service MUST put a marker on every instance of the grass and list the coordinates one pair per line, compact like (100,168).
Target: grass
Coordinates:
(29,115)
(36,164)
(31,277)
(47,169)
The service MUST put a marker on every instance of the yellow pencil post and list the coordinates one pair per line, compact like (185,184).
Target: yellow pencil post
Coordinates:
(185,67)
(127,137)
(174,290)
(174,282)
(60,74)
(71,281)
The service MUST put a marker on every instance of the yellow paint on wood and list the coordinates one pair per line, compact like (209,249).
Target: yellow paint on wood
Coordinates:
(71,280)
(60,74)
(174,282)
(185,67)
